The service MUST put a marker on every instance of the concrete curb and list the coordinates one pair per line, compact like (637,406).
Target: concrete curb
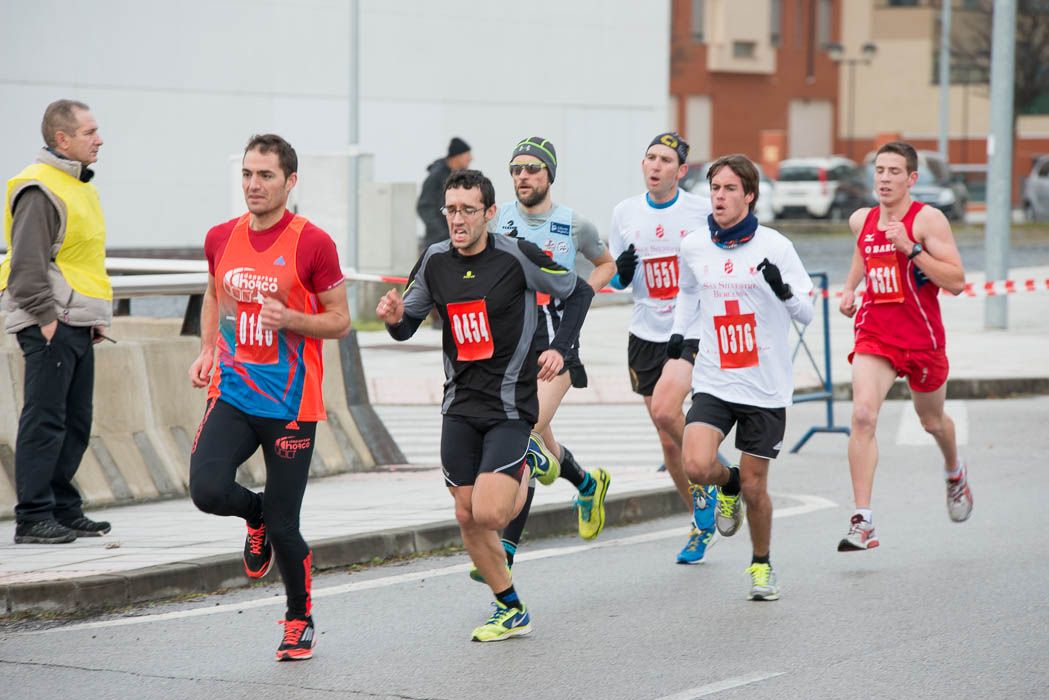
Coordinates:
(210,574)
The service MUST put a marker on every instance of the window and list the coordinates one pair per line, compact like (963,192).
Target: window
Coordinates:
(775,22)
(902,3)
(823,23)
(743,49)
(698,20)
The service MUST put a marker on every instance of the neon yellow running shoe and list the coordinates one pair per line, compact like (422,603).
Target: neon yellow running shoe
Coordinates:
(545,467)
(729,514)
(592,508)
(504,623)
(763,584)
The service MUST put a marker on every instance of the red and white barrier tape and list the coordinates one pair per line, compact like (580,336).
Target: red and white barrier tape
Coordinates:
(972,289)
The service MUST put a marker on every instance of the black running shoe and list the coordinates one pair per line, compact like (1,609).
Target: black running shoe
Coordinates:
(299,640)
(43,532)
(86,527)
(258,552)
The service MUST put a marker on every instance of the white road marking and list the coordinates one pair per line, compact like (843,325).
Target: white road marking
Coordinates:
(727,684)
(911,431)
(808,504)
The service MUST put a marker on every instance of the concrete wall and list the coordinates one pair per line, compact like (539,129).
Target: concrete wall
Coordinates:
(146,416)
(180,86)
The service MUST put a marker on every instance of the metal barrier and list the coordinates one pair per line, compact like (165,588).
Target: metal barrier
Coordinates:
(822,290)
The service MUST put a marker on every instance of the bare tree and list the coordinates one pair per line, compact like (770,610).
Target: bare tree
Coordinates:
(971,51)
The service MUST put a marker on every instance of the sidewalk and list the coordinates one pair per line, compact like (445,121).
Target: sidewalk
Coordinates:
(168,548)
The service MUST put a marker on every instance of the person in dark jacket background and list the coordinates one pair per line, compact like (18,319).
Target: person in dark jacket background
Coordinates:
(431,198)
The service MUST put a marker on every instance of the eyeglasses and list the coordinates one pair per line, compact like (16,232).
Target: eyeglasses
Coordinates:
(467,212)
(531,168)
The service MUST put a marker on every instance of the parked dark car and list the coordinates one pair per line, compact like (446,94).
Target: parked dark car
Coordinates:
(1036,191)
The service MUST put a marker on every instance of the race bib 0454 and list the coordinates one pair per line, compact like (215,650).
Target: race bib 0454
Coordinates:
(471,331)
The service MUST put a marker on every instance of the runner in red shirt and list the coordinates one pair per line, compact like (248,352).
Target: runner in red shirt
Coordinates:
(905,253)
(275,290)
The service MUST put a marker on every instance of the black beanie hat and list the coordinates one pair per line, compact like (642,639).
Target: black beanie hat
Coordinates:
(457,146)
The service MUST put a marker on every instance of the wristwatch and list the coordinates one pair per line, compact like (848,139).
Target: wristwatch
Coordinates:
(918,247)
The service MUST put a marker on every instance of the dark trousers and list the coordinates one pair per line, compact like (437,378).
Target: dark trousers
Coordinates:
(55,424)
(226,438)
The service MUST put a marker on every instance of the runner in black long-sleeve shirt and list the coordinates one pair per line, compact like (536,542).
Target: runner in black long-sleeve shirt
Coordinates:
(483,286)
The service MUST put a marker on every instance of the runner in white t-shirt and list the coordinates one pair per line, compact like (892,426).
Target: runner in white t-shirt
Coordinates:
(645,236)
(748,282)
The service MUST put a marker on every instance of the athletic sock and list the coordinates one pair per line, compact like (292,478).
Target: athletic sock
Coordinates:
(570,469)
(511,549)
(509,598)
(865,513)
(759,560)
(588,486)
(515,529)
(959,469)
(731,487)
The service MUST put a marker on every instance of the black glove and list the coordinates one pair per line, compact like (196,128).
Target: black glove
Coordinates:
(775,280)
(626,264)
(675,346)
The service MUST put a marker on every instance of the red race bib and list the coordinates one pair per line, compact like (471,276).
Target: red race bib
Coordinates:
(883,279)
(661,276)
(737,338)
(254,345)
(471,331)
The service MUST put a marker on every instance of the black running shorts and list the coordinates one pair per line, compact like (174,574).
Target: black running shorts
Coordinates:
(472,446)
(645,359)
(759,431)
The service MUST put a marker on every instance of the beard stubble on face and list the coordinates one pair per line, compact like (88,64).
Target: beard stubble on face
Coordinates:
(536,195)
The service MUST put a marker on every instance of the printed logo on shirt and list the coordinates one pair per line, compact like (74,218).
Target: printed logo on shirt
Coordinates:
(684,232)
(728,266)
(288,447)
(292,426)
(245,284)
(560,229)
(659,231)
(279,260)
(869,238)
(552,247)
(469,275)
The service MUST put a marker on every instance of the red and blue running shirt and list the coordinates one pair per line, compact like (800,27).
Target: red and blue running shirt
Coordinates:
(265,373)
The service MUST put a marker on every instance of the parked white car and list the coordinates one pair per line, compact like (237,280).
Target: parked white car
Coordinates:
(762,210)
(819,188)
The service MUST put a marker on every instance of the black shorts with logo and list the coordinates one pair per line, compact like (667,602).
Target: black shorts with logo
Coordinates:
(760,430)
(645,359)
(472,446)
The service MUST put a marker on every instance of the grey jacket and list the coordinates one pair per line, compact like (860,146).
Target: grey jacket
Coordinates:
(37,293)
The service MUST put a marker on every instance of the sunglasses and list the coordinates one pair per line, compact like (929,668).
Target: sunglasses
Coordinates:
(531,168)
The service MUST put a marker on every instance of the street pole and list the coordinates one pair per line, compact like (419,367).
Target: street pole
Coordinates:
(1000,158)
(945,78)
(852,107)
(353,99)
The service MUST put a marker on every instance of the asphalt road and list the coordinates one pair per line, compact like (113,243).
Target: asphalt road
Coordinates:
(940,610)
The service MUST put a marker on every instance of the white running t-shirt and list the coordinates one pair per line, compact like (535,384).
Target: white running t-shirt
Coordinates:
(744,349)
(656,232)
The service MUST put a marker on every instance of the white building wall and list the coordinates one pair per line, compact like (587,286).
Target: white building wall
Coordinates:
(178,87)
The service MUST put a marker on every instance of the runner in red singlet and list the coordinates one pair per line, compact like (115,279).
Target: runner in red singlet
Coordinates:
(275,289)
(905,253)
